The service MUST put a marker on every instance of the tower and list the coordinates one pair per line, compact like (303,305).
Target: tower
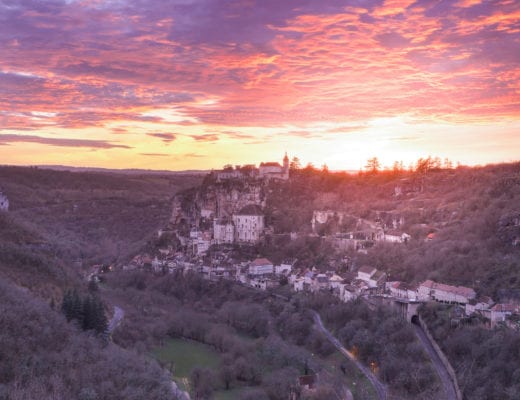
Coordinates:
(286,165)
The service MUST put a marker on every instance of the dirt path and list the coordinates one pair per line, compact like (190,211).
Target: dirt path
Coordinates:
(116,319)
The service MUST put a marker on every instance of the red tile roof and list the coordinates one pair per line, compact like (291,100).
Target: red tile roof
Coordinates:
(457,290)
(261,261)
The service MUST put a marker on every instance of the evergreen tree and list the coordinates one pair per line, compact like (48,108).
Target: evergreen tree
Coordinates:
(66,305)
(93,285)
(99,323)
(88,312)
(77,307)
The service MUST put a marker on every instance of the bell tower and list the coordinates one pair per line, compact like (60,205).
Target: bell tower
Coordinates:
(286,166)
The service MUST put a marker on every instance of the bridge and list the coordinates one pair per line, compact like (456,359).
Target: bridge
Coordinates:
(405,308)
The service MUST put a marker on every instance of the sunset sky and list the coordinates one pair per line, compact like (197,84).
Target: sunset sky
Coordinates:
(196,84)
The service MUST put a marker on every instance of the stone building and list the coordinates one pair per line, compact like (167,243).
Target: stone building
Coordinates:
(249,224)
(430,290)
(273,170)
(223,231)
(261,266)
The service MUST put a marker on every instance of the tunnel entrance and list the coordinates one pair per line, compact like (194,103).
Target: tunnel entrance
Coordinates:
(415,319)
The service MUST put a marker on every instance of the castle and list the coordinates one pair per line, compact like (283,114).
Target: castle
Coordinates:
(230,210)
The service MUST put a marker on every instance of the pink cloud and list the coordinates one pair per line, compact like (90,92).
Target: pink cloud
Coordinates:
(257,63)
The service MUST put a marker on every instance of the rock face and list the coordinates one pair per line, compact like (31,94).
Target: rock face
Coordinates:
(229,211)
(508,230)
(230,201)
(222,200)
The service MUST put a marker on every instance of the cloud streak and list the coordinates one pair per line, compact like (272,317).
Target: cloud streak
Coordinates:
(165,137)
(60,142)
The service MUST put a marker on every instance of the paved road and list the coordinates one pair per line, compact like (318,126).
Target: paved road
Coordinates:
(381,389)
(116,319)
(449,389)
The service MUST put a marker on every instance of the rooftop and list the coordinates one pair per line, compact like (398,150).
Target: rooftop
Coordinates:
(367,269)
(378,275)
(458,290)
(270,164)
(261,261)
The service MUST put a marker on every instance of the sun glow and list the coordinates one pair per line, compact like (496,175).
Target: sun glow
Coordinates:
(158,88)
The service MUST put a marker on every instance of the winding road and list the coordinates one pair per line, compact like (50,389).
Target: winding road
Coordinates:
(382,392)
(447,383)
(115,320)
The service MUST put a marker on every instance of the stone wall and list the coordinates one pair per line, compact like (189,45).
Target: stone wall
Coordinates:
(443,358)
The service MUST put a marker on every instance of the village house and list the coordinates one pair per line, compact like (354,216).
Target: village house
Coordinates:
(242,274)
(430,290)
(298,284)
(261,266)
(303,281)
(216,273)
(500,312)
(4,202)
(320,282)
(263,282)
(349,292)
(283,269)
(249,224)
(402,290)
(371,276)
(335,281)
(377,280)
(203,242)
(478,305)
(223,231)
(239,172)
(228,172)
(366,272)
(359,287)
(266,170)
(395,236)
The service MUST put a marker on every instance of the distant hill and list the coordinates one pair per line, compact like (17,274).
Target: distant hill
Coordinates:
(129,171)
(60,220)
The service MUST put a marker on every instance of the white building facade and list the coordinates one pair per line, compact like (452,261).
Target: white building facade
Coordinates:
(273,170)
(430,290)
(223,231)
(249,224)
(261,266)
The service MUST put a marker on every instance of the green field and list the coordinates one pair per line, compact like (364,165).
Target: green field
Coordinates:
(358,384)
(230,394)
(186,355)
